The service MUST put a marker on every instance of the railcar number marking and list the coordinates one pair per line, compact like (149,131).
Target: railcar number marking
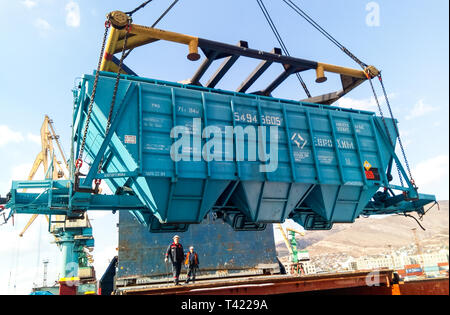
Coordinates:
(253,118)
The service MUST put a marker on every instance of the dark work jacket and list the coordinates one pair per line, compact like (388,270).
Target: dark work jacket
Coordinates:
(175,253)
(191,260)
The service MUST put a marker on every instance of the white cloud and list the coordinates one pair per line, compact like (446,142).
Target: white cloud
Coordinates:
(15,173)
(21,171)
(431,171)
(363,104)
(420,109)
(406,136)
(29,4)
(72,14)
(7,136)
(42,25)
(368,104)
(34,138)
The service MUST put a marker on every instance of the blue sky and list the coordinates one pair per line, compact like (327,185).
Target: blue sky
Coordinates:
(49,43)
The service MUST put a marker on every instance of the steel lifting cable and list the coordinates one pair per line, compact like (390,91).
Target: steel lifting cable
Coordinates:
(79,161)
(114,95)
(281,42)
(124,55)
(130,13)
(17,261)
(311,21)
(36,275)
(415,219)
(156,22)
(395,128)
(366,69)
(436,203)
(397,131)
(385,126)
(164,13)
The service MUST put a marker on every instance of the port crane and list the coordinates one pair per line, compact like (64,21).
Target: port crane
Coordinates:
(125,36)
(47,153)
(74,196)
(73,236)
(289,238)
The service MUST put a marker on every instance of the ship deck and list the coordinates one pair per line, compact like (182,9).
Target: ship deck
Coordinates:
(378,283)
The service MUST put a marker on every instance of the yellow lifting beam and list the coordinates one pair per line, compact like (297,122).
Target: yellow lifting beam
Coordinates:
(141,35)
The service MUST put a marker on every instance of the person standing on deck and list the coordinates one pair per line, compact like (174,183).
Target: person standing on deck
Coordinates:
(192,263)
(175,253)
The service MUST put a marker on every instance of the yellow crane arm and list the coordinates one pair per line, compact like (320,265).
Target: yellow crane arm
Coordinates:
(33,217)
(295,231)
(56,137)
(47,137)
(286,241)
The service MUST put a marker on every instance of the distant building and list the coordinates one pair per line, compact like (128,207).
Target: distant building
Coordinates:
(431,259)
(398,262)
(309,268)
(368,263)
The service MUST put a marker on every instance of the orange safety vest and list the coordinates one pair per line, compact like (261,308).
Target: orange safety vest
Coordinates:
(186,262)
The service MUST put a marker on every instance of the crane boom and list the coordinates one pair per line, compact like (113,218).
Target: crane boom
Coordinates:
(285,238)
(47,152)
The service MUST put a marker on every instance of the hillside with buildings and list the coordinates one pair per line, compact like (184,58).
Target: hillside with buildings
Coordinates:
(376,237)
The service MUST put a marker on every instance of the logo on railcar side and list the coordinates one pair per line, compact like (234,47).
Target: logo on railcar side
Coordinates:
(226,143)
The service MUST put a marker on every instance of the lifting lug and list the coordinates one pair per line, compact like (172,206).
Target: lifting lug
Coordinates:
(119,19)
(371,72)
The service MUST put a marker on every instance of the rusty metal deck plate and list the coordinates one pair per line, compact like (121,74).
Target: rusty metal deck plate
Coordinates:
(270,285)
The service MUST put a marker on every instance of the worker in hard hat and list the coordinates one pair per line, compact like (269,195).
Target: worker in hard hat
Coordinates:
(191,263)
(175,253)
